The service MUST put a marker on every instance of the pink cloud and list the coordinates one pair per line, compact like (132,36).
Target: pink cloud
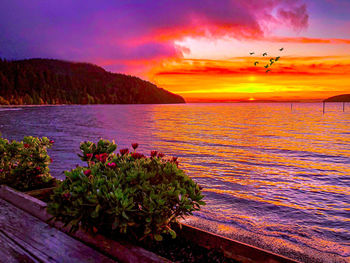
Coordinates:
(296,17)
(119,31)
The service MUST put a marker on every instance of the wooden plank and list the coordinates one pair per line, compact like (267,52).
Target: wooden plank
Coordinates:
(121,250)
(231,248)
(25,202)
(41,241)
(11,252)
(41,194)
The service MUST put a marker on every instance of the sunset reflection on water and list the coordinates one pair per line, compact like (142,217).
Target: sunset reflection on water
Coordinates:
(271,175)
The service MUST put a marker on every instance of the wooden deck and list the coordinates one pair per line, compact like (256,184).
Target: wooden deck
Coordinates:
(24,238)
(29,206)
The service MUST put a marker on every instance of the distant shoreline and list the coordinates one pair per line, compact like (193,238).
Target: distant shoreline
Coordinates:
(209,102)
(339,98)
(53,105)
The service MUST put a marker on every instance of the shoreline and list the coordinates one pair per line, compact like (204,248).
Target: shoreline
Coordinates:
(185,103)
(269,243)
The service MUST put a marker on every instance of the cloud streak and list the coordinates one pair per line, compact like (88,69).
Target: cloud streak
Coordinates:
(300,66)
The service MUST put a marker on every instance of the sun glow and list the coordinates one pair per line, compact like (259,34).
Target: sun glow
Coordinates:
(252,78)
(292,78)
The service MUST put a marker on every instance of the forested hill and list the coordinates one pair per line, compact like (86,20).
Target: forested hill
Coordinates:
(48,81)
(339,98)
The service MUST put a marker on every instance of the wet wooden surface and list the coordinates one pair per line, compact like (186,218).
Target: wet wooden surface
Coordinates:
(120,250)
(24,238)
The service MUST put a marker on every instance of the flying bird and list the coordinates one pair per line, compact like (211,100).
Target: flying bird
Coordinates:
(266,66)
(281,49)
(267,71)
(277,58)
(251,53)
(264,54)
(256,63)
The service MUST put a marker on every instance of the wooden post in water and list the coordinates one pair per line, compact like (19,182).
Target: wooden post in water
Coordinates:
(343,106)
(324,106)
(291,107)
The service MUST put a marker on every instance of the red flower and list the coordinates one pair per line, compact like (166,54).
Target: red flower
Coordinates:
(1,170)
(137,155)
(135,145)
(26,145)
(102,157)
(66,196)
(51,141)
(89,155)
(51,160)
(154,153)
(87,172)
(174,159)
(38,168)
(111,165)
(161,155)
(124,151)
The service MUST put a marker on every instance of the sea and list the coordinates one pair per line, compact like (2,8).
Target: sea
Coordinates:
(274,175)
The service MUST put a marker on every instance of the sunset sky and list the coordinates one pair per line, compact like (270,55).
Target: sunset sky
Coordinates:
(196,48)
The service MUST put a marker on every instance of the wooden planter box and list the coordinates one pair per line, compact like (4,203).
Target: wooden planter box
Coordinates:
(126,252)
(41,194)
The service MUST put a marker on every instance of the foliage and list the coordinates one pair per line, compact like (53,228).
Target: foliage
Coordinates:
(126,193)
(48,81)
(24,165)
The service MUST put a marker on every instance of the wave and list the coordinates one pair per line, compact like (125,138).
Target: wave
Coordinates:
(10,109)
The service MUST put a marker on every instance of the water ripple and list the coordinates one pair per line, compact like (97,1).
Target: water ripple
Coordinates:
(272,177)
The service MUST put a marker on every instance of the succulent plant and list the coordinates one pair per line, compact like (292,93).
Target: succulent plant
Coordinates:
(25,165)
(128,193)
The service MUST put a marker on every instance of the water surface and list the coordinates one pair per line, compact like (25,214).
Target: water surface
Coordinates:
(273,177)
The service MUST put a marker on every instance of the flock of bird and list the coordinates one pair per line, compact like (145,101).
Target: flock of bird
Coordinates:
(269,64)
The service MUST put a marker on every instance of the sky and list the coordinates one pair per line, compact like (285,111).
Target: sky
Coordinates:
(199,49)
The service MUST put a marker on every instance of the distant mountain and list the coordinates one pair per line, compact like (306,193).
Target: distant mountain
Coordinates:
(49,81)
(339,98)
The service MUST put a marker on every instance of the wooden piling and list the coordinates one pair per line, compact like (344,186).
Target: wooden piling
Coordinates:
(324,106)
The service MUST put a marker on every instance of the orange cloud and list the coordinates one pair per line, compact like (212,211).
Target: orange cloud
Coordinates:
(308,40)
(236,79)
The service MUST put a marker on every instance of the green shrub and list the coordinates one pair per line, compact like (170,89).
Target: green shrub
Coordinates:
(125,193)
(24,165)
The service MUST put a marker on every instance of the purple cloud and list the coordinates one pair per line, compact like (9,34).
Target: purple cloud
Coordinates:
(95,31)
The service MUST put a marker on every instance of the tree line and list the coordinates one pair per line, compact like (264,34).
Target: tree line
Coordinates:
(49,81)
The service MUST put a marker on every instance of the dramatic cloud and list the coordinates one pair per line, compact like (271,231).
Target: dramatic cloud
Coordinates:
(327,65)
(309,77)
(296,17)
(115,32)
